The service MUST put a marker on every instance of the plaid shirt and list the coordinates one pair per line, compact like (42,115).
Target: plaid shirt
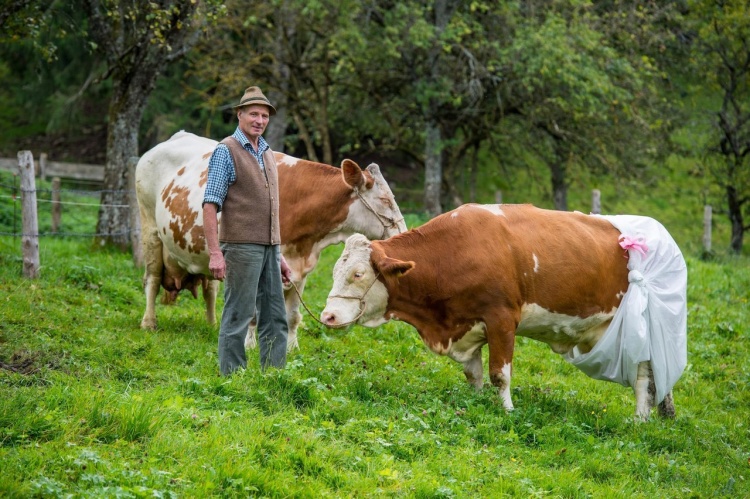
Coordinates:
(221,173)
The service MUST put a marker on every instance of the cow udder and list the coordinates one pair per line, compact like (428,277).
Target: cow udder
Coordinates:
(174,283)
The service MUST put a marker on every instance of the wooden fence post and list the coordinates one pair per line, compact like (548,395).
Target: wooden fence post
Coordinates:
(707,229)
(135,216)
(596,201)
(499,197)
(29,222)
(56,205)
(43,166)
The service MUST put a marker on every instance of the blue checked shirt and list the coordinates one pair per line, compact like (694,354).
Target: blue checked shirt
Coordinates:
(221,173)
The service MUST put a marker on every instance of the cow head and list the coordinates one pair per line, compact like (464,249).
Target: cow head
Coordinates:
(375,207)
(357,295)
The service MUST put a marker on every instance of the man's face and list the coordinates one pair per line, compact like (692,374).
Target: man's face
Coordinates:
(253,120)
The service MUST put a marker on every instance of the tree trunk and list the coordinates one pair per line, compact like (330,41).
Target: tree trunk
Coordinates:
(125,113)
(735,217)
(559,186)
(473,171)
(324,129)
(277,125)
(456,199)
(138,44)
(433,171)
(276,130)
(433,165)
(305,136)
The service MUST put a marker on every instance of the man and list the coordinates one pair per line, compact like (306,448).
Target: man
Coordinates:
(243,185)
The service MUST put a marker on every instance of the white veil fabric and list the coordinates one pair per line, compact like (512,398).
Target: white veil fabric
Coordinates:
(651,322)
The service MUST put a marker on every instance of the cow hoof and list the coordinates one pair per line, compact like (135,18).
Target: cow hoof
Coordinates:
(640,417)
(666,407)
(250,342)
(148,324)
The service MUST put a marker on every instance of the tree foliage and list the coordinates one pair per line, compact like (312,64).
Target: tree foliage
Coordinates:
(432,75)
(30,20)
(583,99)
(138,40)
(47,72)
(294,51)
(465,93)
(722,61)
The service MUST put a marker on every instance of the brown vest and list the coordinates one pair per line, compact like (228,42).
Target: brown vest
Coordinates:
(250,213)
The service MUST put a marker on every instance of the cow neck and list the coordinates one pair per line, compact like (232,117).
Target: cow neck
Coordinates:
(416,298)
(315,202)
(435,325)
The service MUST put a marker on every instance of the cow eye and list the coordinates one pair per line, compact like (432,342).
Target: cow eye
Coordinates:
(358,275)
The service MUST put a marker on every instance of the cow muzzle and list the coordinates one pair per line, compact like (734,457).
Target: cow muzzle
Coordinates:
(331,320)
(336,316)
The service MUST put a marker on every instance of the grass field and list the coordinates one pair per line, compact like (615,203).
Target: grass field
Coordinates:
(92,406)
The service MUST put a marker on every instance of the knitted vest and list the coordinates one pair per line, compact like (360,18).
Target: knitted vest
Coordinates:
(250,213)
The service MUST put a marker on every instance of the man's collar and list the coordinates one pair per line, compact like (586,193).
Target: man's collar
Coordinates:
(242,139)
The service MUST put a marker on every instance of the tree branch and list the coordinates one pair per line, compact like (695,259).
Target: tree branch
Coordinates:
(11,8)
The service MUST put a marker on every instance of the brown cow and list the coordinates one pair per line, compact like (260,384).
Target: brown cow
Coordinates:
(484,274)
(320,205)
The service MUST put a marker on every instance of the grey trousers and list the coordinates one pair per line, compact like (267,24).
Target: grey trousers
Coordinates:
(252,282)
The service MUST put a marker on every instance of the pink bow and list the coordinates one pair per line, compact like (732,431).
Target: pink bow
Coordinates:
(631,243)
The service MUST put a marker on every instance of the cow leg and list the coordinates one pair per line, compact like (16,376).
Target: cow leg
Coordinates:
(501,341)
(293,315)
(250,341)
(644,392)
(666,407)
(154,262)
(210,290)
(151,286)
(473,369)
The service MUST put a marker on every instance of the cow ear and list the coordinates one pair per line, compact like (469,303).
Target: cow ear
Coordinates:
(352,174)
(387,266)
(392,267)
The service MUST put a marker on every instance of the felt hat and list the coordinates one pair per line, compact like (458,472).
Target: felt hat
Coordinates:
(253,95)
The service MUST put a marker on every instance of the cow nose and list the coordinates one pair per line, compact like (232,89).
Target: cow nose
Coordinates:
(328,318)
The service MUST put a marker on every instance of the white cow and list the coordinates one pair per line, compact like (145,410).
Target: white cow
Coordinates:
(320,205)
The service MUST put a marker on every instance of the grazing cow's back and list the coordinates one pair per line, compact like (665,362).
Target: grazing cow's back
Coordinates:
(319,205)
(484,274)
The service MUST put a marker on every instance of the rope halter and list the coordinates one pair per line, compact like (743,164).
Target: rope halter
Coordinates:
(386,221)
(362,303)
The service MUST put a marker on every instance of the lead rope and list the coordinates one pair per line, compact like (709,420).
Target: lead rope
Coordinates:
(362,303)
(392,223)
(386,222)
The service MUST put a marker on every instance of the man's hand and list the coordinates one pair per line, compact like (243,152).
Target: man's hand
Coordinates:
(216,265)
(286,272)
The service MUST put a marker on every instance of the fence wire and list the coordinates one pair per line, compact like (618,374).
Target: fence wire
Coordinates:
(73,217)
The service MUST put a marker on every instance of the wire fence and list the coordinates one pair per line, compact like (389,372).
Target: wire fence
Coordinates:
(78,208)
(21,216)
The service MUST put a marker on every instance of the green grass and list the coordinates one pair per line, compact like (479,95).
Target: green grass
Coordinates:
(93,406)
